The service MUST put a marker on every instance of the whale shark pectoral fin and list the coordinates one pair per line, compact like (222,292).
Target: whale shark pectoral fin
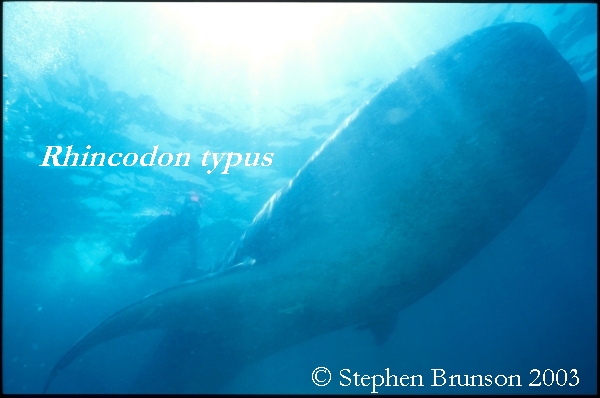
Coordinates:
(381,329)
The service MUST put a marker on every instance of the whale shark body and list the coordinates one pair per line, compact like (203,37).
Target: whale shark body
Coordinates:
(404,193)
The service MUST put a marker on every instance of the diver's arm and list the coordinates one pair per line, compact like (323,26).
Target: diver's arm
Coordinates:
(146,237)
(190,270)
(193,248)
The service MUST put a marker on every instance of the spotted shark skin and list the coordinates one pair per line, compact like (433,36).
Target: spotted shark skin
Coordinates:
(411,186)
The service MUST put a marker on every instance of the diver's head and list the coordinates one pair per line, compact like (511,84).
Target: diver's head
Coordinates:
(192,206)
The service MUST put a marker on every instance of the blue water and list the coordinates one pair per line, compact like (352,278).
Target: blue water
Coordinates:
(241,78)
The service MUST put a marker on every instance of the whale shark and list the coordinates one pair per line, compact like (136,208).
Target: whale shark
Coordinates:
(406,191)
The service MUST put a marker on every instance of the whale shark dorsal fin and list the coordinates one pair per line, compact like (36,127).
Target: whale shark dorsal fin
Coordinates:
(382,329)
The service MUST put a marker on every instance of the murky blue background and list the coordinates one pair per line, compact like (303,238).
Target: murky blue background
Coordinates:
(262,78)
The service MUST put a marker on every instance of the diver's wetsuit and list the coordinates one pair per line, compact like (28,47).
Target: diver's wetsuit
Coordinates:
(159,234)
(155,238)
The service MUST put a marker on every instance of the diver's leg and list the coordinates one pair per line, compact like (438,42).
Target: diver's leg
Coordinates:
(131,252)
(152,257)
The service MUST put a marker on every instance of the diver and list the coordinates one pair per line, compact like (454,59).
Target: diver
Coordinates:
(153,239)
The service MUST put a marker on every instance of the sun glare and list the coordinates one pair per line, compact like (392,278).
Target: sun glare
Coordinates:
(251,56)
(258,30)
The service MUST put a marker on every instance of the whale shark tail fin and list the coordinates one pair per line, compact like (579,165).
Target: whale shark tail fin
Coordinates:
(161,310)
(187,361)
